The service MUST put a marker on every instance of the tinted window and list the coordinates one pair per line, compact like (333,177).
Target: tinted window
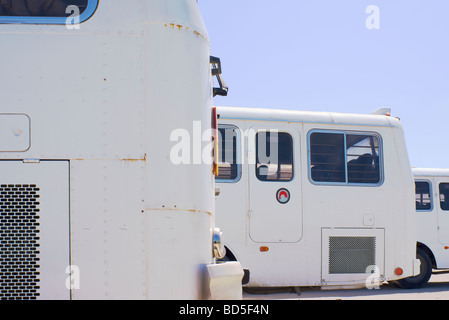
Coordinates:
(342,157)
(274,156)
(362,156)
(444,196)
(422,195)
(327,155)
(40,8)
(228,144)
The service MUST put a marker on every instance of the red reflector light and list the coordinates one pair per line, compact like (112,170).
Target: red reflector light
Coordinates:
(398,271)
(215,139)
(263,249)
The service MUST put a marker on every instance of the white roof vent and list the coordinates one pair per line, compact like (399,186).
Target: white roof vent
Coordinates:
(382,112)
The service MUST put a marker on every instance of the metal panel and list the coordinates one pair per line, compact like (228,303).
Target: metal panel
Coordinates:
(349,256)
(275,211)
(14,132)
(443,212)
(34,230)
(19,233)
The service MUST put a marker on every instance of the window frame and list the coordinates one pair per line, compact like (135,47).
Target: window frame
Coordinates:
(346,182)
(91,8)
(238,156)
(292,155)
(430,195)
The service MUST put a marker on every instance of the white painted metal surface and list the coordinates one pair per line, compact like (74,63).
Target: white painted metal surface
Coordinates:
(14,132)
(325,229)
(103,99)
(224,281)
(283,225)
(34,211)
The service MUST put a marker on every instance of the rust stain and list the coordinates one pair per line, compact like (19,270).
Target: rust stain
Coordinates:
(177,209)
(132,160)
(173,25)
(121,159)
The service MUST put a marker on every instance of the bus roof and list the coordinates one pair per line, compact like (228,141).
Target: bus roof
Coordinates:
(262,114)
(430,172)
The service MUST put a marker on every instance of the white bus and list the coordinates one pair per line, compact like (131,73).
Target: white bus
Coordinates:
(315,198)
(432,214)
(91,206)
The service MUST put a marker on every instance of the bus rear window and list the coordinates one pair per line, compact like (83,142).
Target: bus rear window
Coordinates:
(46,11)
(40,8)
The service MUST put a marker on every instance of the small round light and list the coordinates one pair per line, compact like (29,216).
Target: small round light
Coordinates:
(398,271)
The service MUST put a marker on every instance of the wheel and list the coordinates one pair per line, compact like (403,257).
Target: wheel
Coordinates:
(423,277)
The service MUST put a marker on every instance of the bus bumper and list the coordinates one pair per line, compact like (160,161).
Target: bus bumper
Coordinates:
(225,280)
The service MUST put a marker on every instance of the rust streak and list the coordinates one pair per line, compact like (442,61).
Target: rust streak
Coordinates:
(177,209)
(122,159)
(172,25)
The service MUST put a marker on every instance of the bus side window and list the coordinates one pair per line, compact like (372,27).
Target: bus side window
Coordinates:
(444,196)
(362,154)
(229,164)
(423,199)
(327,157)
(274,156)
(344,158)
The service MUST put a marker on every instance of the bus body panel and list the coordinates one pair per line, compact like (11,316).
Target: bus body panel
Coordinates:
(35,229)
(383,212)
(432,224)
(105,99)
(265,227)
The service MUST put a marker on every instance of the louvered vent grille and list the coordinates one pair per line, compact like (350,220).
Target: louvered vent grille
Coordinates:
(351,254)
(19,242)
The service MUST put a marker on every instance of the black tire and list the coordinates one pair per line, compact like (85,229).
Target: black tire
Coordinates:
(421,279)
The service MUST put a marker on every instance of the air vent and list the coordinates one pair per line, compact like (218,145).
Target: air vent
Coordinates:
(351,254)
(19,242)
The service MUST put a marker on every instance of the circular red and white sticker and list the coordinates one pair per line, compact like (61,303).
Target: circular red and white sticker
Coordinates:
(283,195)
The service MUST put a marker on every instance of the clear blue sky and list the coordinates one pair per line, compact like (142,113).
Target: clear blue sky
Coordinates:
(319,55)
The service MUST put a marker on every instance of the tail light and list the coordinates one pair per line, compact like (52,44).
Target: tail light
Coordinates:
(215,140)
(398,271)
